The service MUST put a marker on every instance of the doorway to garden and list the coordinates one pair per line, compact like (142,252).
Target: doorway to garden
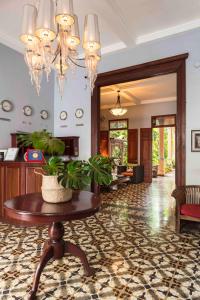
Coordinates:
(118,140)
(164,146)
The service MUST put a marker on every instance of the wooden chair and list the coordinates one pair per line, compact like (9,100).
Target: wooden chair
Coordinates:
(187,205)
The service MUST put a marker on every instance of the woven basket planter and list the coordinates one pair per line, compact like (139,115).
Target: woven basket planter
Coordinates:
(54,192)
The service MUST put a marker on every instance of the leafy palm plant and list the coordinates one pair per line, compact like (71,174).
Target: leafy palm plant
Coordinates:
(42,140)
(75,174)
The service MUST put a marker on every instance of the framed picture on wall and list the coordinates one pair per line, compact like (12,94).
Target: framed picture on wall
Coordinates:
(195,140)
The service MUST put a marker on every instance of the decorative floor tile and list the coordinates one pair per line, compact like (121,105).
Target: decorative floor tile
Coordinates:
(131,243)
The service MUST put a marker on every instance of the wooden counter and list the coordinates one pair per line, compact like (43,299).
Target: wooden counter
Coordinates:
(18,178)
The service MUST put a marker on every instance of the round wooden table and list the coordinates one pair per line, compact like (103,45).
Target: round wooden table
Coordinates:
(33,210)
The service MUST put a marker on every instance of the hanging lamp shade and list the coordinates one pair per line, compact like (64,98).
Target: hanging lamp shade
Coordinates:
(29,24)
(91,39)
(118,110)
(45,21)
(64,13)
(74,39)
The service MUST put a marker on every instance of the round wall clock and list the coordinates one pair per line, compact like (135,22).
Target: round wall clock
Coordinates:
(27,110)
(44,114)
(79,113)
(7,105)
(63,115)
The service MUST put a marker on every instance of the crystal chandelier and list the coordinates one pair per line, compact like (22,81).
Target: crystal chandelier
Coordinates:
(118,110)
(51,37)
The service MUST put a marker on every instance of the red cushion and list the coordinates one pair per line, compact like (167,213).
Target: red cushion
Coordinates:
(127,173)
(192,210)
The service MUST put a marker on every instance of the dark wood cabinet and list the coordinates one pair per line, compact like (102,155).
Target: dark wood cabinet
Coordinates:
(71,145)
(33,182)
(18,178)
(13,181)
(2,178)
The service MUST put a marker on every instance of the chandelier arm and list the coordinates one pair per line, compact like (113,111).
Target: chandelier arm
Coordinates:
(61,65)
(56,54)
(76,64)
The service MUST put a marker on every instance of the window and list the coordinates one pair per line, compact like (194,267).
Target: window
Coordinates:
(118,124)
(163,121)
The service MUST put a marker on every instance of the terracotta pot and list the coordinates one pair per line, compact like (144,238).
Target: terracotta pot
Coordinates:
(54,192)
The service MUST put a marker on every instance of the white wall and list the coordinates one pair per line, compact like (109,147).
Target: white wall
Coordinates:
(187,42)
(75,96)
(139,116)
(15,85)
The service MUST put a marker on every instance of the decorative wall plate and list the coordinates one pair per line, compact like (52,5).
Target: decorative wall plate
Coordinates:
(7,105)
(63,115)
(79,113)
(44,114)
(27,110)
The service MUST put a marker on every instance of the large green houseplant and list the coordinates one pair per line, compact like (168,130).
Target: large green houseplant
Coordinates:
(59,179)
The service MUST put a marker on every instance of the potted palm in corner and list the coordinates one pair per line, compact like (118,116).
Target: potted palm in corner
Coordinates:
(60,179)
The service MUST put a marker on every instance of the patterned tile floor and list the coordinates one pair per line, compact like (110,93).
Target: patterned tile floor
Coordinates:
(131,243)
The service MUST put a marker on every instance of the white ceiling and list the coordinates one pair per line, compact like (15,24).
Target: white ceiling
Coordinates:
(122,23)
(146,91)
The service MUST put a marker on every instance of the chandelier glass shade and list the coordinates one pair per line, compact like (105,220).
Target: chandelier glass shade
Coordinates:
(51,37)
(118,110)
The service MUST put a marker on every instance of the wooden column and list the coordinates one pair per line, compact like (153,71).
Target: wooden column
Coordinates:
(161,170)
(170,143)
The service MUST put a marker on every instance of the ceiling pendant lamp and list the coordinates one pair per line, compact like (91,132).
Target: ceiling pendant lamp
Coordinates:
(51,37)
(118,110)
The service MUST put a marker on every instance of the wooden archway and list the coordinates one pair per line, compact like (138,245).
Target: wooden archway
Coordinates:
(175,64)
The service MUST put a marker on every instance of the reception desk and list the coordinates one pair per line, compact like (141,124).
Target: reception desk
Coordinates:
(18,178)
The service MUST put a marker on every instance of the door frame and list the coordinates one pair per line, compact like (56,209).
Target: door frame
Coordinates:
(175,64)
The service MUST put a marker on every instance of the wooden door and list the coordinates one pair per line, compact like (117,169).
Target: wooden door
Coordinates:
(104,138)
(133,146)
(33,181)
(146,153)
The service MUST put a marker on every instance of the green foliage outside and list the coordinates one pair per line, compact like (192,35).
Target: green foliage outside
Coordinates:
(116,153)
(155,147)
(169,163)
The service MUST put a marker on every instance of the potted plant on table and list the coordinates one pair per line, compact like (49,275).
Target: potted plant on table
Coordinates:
(59,179)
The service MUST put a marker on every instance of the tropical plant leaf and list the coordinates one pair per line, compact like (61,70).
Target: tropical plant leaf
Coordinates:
(100,168)
(54,166)
(79,174)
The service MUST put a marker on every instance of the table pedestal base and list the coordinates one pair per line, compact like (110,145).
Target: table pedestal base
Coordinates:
(56,248)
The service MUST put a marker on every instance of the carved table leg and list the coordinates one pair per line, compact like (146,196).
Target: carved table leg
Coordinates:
(55,248)
(76,251)
(46,256)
